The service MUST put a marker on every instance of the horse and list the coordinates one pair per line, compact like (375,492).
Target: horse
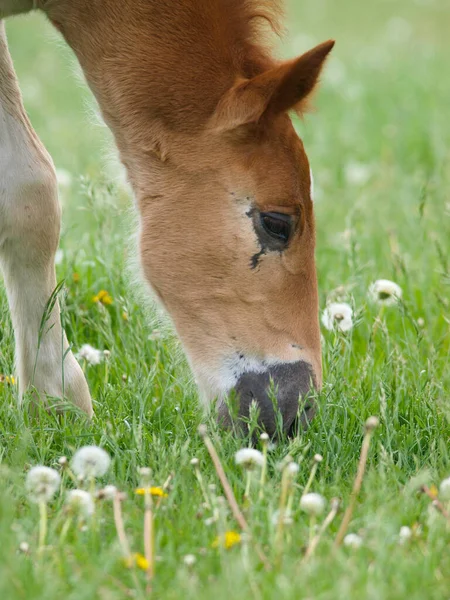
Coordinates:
(200,112)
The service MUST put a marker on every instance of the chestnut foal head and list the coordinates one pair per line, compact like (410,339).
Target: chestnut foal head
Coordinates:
(228,246)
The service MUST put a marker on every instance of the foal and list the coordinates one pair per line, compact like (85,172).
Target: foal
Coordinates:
(199,111)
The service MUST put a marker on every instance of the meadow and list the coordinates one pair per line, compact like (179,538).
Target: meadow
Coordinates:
(379,144)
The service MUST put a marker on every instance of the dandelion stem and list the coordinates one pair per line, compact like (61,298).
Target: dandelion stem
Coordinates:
(42,526)
(285,481)
(199,477)
(313,543)
(240,519)
(248,485)
(118,521)
(312,524)
(311,478)
(148,533)
(371,424)
(65,529)
(262,481)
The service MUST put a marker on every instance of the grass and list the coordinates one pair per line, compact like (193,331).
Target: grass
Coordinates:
(379,145)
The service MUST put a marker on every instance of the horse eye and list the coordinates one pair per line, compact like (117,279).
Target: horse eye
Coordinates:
(277,225)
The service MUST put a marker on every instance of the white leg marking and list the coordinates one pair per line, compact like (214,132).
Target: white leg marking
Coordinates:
(29,235)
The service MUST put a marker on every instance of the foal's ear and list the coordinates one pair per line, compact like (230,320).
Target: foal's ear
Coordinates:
(277,90)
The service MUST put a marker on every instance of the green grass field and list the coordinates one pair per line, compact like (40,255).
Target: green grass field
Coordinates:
(379,144)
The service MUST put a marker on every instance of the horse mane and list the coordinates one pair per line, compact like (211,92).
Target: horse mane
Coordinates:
(256,22)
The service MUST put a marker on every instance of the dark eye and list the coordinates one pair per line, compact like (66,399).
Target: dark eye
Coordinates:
(277,225)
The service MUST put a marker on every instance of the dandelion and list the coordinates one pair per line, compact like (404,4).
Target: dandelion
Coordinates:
(189,560)
(90,354)
(90,461)
(353,540)
(80,502)
(64,178)
(59,256)
(24,547)
(139,560)
(227,540)
(7,379)
(385,292)
(444,490)
(103,297)
(338,315)
(357,173)
(107,493)
(249,458)
(157,492)
(76,277)
(285,516)
(63,462)
(405,534)
(42,484)
(370,425)
(313,504)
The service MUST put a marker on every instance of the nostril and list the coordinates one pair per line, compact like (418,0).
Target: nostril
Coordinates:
(288,382)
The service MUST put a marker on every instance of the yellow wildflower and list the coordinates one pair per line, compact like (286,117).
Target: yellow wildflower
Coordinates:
(154,491)
(76,277)
(434,491)
(139,560)
(125,316)
(103,297)
(8,379)
(228,540)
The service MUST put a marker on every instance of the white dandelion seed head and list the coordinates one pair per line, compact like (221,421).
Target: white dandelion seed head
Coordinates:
(24,547)
(63,462)
(90,354)
(318,458)
(264,437)
(444,490)
(109,492)
(404,534)
(189,560)
(90,461)
(59,256)
(287,517)
(357,173)
(292,469)
(338,315)
(63,177)
(353,540)
(249,458)
(313,504)
(195,462)
(42,483)
(80,502)
(385,292)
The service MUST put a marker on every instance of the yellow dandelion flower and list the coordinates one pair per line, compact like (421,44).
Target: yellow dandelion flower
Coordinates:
(139,560)
(154,491)
(434,491)
(125,316)
(103,297)
(76,277)
(227,541)
(10,379)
